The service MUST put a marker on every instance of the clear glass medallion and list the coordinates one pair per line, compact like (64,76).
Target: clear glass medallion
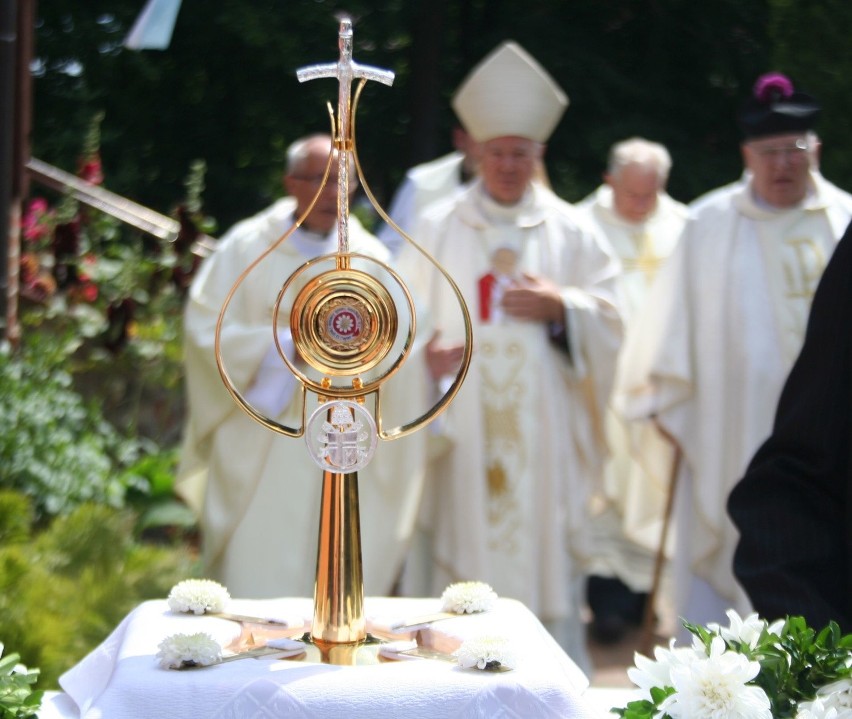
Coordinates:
(341,436)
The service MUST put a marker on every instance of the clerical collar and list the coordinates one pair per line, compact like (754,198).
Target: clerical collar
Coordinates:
(311,244)
(498,213)
(747,201)
(764,205)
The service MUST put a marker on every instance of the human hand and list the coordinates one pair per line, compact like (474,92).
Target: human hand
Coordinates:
(535,299)
(442,359)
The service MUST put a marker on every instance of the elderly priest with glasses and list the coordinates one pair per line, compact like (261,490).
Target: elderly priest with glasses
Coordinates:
(257,494)
(723,325)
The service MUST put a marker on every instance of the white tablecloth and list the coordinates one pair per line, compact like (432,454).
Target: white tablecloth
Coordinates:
(122,680)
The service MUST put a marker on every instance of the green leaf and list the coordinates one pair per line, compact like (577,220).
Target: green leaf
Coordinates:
(640,709)
(18,700)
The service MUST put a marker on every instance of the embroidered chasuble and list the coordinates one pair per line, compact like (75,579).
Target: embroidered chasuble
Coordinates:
(522,442)
(710,354)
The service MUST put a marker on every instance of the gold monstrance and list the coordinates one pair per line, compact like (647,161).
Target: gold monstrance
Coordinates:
(353,323)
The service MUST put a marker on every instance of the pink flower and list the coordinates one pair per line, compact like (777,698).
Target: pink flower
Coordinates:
(772,86)
(84,291)
(89,292)
(36,221)
(33,232)
(38,206)
(90,170)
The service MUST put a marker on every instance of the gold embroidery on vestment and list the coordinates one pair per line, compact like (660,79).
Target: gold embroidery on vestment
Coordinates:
(803,269)
(505,448)
(646,261)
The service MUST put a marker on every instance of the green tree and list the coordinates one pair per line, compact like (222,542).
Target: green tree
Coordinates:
(810,43)
(225,90)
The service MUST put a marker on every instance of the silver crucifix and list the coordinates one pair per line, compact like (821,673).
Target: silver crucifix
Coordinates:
(345,69)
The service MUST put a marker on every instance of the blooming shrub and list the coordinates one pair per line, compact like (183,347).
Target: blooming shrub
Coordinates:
(111,300)
(66,583)
(748,670)
(113,297)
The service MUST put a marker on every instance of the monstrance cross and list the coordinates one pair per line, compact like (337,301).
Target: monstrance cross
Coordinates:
(345,69)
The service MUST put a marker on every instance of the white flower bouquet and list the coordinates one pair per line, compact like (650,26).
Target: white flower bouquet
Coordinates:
(748,670)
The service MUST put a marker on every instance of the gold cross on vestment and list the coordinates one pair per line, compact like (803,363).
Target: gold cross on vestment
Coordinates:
(645,261)
(345,69)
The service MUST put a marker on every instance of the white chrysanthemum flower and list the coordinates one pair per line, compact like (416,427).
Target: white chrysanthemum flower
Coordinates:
(649,673)
(198,596)
(715,687)
(776,627)
(487,652)
(468,598)
(815,710)
(838,696)
(188,650)
(746,631)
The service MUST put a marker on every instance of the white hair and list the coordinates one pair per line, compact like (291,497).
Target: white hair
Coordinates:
(642,152)
(301,149)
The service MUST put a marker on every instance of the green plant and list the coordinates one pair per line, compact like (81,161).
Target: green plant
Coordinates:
(114,297)
(54,446)
(18,700)
(64,589)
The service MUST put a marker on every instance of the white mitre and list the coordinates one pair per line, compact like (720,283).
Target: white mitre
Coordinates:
(509,94)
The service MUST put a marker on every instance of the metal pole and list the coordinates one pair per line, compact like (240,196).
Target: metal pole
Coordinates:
(8,74)
(21,145)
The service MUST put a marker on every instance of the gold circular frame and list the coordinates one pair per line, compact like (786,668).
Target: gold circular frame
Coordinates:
(343,322)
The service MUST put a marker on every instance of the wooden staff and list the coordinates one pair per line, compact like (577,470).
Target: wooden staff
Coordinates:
(649,620)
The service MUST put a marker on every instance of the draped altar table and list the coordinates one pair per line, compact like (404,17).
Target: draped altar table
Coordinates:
(121,679)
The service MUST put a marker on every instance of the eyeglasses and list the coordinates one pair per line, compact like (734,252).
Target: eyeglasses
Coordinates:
(517,155)
(315,179)
(791,152)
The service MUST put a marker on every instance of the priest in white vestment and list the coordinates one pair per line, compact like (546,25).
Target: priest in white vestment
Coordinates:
(642,223)
(258,492)
(522,444)
(707,359)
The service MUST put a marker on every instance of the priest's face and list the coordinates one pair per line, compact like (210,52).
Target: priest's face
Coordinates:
(304,180)
(507,165)
(634,192)
(780,165)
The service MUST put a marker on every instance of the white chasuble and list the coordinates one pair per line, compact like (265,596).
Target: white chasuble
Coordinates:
(521,443)
(258,492)
(629,514)
(710,353)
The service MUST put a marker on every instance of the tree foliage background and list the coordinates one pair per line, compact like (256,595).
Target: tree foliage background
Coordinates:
(225,90)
